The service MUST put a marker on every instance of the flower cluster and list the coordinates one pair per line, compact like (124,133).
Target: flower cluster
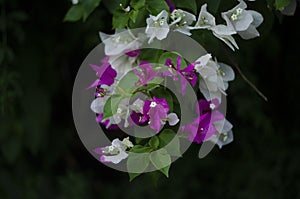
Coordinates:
(239,20)
(130,91)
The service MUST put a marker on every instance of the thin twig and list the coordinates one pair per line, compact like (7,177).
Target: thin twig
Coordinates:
(250,83)
(234,63)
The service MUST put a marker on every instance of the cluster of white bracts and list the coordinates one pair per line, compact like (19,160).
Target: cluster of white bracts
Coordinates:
(238,21)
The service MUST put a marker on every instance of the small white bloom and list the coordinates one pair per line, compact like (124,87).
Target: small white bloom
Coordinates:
(120,42)
(205,19)
(212,106)
(124,111)
(122,64)
(117,45)
(157,26)
(222,32)
(127,142)
(115,153)
(153,104)
(215,77)
(98,103)
(137,105)
(224,135)
(182,20)
(172,119)
(243,21)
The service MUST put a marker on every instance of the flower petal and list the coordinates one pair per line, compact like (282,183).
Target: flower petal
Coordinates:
(98,104)
(114,158)
(173,119)
(228,72)
(250,33)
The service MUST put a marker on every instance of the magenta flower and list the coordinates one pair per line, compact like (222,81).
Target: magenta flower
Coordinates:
(171,5)
(146,75)
(156,110)
(105,73)
(133,53)
(202,127)
(186,75)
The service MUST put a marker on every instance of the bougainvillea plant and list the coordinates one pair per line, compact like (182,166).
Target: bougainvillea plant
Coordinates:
(130,90)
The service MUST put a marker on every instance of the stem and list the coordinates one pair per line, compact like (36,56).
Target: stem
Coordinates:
(250,83)
(247,80)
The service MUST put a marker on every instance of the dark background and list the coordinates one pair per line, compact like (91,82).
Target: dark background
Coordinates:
(42,156)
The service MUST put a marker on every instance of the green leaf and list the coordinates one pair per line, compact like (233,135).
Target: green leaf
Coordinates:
(132,176)
(160,160)
(137,4)
(81,10)
(138,140)
(138,160)
(88,7)
(126,86)
(160,92)
(111,106)
(150,55)
(156,6)
(133,15)
(280,4)
(154,142)
(112,5)
(140,20)
(75,13)
(170,141)
(151,84)
(140,149)
(189,5)
(165,171)
(120,19)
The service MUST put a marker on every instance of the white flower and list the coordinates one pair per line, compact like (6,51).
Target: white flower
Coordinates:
(182,20)
(117,45)
(116,152)
(227,74)
(127,142)
(224,136)
(98,103)
(122,64)
(222,32)
(243,21)
(214,77)
(124,111)
(205,19)
(120,42)
(157,26)
(137,105)
(172,119)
